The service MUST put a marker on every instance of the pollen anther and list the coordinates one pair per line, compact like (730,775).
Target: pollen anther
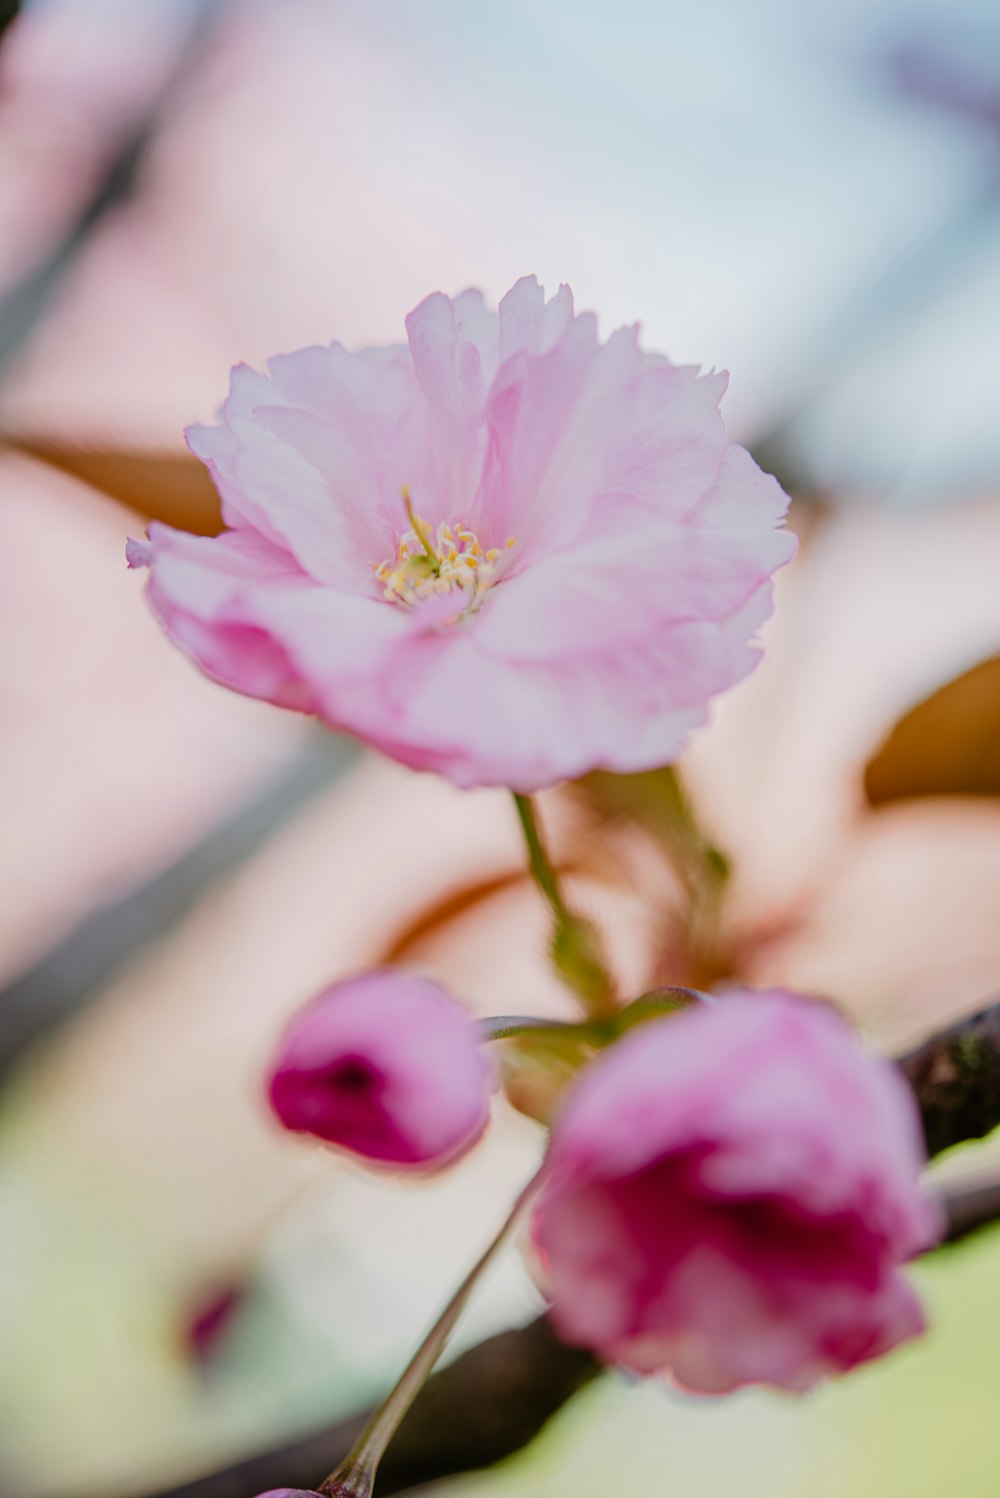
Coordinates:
(451,561)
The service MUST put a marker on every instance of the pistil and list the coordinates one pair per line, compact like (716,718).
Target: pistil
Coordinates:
(451,561)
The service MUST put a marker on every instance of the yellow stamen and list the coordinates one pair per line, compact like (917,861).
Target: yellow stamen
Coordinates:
(432,564)
(419,526)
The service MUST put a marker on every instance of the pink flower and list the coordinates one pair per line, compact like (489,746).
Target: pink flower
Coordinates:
(732,1192)
(388,1066)
(507,552)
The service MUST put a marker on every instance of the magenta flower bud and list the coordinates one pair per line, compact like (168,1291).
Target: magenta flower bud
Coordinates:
(388,1066)
(210,1319)
(731,1195)
(289,1493)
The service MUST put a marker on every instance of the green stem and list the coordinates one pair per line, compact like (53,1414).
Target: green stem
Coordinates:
(504,1026)
(576,946)
(701,866)
(539,862)
(355,1476)
(656,801)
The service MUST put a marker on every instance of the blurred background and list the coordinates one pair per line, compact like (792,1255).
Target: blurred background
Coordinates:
(805,195)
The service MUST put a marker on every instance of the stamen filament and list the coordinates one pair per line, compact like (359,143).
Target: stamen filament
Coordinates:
(419,529)
(432,564)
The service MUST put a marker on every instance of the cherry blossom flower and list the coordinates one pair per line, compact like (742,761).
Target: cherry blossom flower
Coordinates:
(504,552)
(731,1195)
(388,1066)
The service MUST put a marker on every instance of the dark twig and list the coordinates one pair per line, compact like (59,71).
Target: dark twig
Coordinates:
(495,1398)
(971,1205)
(487,1404)
(23,304)
(8,12)
(955,1075)
(52,991)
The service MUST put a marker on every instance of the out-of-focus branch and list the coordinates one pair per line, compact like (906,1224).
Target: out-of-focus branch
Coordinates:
(969,1206)
(955,1075)
(8,12)
(487,1404)
(435,917)
(171,486)
(41,998)
(23,304)
(948,744)
(495,1398)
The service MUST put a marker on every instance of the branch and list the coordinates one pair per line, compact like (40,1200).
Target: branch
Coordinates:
(496,1397)
(8,13)
(22,306)
(38,1000)
(955,1075)
(970,1206)
(487,1404)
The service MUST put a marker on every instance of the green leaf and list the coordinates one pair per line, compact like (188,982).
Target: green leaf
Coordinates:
(656,1004)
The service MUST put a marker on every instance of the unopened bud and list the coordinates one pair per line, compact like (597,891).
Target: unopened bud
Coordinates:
(388,1066)
(289,1493)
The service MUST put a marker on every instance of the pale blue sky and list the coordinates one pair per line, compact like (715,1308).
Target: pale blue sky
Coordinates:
(741,176)
(750,187)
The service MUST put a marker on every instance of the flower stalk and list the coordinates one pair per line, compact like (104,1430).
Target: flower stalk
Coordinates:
(510,1026)
(653,1004)
(657,801)
(576,946)
(355,1476)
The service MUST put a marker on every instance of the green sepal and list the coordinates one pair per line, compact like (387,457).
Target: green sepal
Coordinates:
(538,1062)
(656,1003)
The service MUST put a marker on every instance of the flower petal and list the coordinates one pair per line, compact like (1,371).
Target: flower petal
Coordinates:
(314,456)
(529,324)
(449,371)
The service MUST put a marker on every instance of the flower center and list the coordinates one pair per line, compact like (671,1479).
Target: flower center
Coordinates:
(426,565)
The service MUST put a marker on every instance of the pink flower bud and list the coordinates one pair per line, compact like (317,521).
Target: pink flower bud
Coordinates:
(386,1065)
(732,1192)
(289,1493)
(210,1320)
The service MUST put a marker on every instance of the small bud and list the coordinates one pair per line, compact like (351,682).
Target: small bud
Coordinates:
(289,1493)
(210,1320)
(388,1066)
